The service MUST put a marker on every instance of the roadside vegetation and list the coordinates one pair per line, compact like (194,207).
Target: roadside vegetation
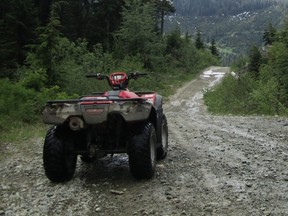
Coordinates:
(259,85)
(45,54)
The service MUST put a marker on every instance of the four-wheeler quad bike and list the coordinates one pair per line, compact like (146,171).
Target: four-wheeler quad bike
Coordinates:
(93,126)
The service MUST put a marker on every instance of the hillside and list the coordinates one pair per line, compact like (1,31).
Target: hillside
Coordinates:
(235,25)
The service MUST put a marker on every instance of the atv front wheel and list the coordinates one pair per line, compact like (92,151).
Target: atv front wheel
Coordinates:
(58,157)
(142,153)
(163,149)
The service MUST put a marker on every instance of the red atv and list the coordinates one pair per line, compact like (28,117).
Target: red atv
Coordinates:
(93,126)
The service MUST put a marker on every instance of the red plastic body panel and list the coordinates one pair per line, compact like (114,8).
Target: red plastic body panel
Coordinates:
(127,94)
(151,98)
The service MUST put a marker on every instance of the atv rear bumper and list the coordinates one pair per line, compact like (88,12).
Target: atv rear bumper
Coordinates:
(95,111)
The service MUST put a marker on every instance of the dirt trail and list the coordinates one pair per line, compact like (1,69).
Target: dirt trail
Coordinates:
(216,165)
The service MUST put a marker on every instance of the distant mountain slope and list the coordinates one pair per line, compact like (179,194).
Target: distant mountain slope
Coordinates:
(234,24)
(221,7)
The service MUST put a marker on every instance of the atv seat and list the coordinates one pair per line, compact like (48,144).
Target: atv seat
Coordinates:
(121,94)
(128,94)
(113,94)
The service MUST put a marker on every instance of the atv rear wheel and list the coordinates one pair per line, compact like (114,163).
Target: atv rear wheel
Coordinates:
(59,157)
(142,153)
(163,149)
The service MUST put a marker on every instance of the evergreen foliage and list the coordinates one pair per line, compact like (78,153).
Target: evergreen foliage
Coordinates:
(221,8)
(199,43)
(255,60)
(269,35)
(75,38)
(259,88)
(137,35)
(213,48)
(235,25)
(17,26)
(164,7)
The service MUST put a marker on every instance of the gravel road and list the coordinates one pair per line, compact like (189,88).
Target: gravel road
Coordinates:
(216,165)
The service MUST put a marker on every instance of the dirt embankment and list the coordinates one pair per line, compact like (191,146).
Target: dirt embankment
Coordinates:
(216,165)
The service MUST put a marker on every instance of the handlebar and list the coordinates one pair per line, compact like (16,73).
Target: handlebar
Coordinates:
(131,75)
(123,83)
(99,76)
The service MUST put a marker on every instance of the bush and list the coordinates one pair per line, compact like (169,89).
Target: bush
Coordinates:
(231,96)
(266,95)
(19,104)
(247,95)
(16,103)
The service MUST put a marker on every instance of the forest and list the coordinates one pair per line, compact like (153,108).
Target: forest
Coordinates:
(47,47)
(222,7)
(235,25)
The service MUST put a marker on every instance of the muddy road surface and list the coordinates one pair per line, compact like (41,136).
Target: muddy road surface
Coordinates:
(216,165)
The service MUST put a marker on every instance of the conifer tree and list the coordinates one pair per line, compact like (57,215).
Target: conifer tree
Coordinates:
(17,26)
(199,43)
(174,43)
(164,7)
(45,52)
(137,35)
(213,48)
(269,35)
(104,22)
(255,60)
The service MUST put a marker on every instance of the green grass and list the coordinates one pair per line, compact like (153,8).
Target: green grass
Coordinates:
(20,132)
(20,138)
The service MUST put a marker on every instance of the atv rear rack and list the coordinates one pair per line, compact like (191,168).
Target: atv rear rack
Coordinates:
(74,101)
(95,110)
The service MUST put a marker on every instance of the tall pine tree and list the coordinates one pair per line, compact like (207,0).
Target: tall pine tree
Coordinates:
(255,60)
(213,48)
(137,35)
(269,35)
(199,43)
(18,21)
